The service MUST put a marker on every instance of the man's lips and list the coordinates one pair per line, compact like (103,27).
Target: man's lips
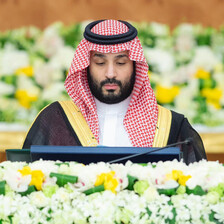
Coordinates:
(110,86)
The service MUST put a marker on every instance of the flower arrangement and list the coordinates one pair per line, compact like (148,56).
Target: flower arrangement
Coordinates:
(186,69)
(33,67)
(163,192)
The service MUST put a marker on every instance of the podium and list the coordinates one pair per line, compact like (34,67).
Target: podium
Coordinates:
(88,155)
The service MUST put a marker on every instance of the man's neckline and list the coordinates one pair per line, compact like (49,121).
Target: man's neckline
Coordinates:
(116,108)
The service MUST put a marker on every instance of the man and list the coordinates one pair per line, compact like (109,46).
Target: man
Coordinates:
(112,103)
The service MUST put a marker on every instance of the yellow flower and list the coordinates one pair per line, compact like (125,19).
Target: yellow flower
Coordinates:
(108,180)
(212,96)
(111,185)
(37,176)
(202,74)
(25,98)
(183,179)
(37,179)
(28,71)
(178,176)
(100,179)
(166,94)
(174,175)
(25,171)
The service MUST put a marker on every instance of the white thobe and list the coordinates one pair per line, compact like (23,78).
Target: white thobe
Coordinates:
(111,116)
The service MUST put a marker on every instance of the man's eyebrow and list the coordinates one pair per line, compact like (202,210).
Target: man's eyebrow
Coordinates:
(99,55)
(104,56)
(121,56)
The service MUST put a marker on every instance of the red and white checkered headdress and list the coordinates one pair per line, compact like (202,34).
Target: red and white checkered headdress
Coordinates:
(142,114)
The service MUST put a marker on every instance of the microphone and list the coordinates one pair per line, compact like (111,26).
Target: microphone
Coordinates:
(185,142)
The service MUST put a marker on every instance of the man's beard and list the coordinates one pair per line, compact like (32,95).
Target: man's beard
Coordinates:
(111,98)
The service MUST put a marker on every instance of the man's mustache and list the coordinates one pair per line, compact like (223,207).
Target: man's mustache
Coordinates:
(111,81)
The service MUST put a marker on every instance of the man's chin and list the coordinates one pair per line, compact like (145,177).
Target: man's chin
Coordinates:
(110,99)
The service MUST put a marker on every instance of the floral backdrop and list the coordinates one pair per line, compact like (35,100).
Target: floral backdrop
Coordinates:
(186,69)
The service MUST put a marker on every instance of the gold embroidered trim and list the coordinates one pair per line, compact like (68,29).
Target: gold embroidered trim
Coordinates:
(163,127)
(78,123)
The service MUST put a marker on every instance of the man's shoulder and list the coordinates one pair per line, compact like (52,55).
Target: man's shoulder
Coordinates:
(51,109)
(175,115)
(65,108)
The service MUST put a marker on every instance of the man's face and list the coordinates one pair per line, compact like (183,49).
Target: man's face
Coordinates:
(111,76)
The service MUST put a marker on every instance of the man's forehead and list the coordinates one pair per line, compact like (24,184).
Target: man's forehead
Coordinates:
(105,55)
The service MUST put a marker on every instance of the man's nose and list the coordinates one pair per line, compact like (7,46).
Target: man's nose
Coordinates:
(110,73)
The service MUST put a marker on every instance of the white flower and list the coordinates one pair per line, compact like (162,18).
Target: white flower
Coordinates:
(16,181)
(183,214)
(183,103)
(45,167)
(25,83)
(219,208)
(39,199)
(185,43)
(63,58)
(159,29)
(166,212)
(211,174)
(47,73)
(7,207)
(219,78)
(12,59)
(6,89)
(6,104)
(61,195)
(205,58)
(121,176)
(170,184)
(138,171)
(53,92)
(184,74)
(185,29)
(50,41)
(162,60)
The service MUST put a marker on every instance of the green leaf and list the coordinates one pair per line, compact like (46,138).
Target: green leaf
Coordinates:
(64,179)
(173,220)
(2,187)
(207,83)
(148,212)
(28,191)
(131,182)
(213,219)
(196,191)
(94,190)
(168,192)
(59,164)
(143,164)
